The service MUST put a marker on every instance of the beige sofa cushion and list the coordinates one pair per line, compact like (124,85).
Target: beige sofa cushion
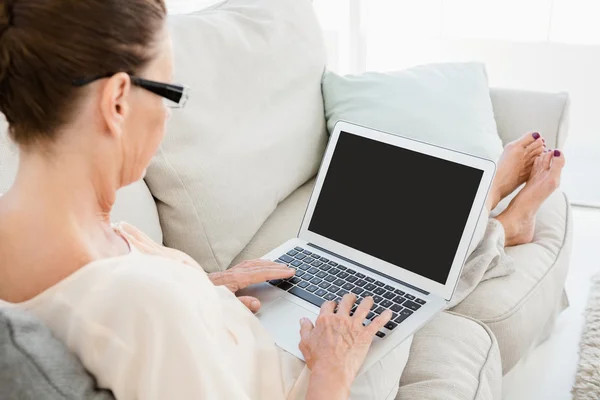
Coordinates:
(452,358)
(521,308)
(136,206)
(520,111)
(253,130)
(282,225)
(9,158)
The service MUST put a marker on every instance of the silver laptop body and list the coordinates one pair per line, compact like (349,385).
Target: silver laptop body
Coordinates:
(389,217)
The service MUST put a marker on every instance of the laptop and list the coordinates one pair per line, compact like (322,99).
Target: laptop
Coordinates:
(389,217)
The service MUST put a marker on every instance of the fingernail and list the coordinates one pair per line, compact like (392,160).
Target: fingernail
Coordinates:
(303,320)
(556,153)
(536,135)
(255,304)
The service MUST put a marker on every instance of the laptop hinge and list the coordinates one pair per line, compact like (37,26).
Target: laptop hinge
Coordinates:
(370,269)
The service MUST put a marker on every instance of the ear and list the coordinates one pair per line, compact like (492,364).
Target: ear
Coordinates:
(114,104)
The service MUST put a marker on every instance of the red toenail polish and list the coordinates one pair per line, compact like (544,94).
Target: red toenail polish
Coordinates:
(556,153)
(536,135)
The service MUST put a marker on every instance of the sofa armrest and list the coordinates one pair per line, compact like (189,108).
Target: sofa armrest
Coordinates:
(519,111)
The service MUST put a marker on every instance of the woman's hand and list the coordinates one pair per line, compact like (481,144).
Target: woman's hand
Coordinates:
(336,347)
(236,278)
(248,273)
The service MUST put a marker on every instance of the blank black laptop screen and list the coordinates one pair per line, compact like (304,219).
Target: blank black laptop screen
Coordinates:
(400,206)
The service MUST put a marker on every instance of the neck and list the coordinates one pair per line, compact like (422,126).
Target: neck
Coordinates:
(70,199)
(67,184)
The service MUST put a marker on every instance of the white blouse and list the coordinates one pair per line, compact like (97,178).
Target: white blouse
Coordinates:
(151,328)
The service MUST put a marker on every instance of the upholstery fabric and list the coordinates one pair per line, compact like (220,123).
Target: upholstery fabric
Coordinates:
(447,105)
(282,225)
(452,358)
(9,158)
(253,130)
(520,111)
(526,303)
(136,206)
(35,365)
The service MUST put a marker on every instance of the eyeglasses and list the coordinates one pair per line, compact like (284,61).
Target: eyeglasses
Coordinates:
(175,96)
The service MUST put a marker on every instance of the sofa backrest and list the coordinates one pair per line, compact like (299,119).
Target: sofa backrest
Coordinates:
(253,130)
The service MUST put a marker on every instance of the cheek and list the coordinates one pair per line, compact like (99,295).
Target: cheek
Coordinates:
(147,131)
(154,130)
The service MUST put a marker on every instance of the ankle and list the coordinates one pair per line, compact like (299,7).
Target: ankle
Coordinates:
(518,226)
(493,199)
(510,230)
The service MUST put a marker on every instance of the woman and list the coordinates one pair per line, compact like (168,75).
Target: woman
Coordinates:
(78,86)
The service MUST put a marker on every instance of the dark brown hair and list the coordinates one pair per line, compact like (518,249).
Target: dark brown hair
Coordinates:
(46,44)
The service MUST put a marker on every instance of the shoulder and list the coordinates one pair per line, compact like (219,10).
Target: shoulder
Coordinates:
(140,280)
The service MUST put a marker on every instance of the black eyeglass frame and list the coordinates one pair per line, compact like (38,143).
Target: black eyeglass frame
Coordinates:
(177,94)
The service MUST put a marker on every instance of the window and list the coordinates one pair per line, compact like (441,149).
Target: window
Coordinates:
(546,45)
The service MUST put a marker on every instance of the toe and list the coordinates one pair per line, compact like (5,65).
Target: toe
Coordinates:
(558,162)
(538,166)
(547,159)
(534,149)
(558,159)
(529,138)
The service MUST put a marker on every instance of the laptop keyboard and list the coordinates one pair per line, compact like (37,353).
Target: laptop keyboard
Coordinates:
(318,280)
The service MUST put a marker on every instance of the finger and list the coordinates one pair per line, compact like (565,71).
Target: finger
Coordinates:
(135,232)
(257,264)
(346,304)
(379,322)
(143,247)
(363,309)
(306,327)
(328,308)
(250,302)
(264,263)
(248,278)
(264,268)
(259,268)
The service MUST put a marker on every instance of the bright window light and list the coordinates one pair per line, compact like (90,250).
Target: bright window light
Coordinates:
(576,22)
(514,20)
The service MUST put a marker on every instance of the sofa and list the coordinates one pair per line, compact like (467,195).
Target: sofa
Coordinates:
(234,174)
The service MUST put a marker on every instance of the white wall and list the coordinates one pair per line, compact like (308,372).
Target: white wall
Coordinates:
(188,6)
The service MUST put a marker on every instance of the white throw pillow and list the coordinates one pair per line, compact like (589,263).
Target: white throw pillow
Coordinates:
(253,130)
(447,105)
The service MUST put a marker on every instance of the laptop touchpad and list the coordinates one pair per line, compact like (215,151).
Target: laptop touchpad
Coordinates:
(282,320)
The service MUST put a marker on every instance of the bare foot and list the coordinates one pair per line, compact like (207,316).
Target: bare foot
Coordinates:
(514,166)
(519,218)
